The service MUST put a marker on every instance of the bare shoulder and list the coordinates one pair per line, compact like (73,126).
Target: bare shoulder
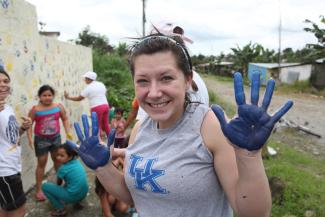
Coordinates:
(212,134)
(134,132)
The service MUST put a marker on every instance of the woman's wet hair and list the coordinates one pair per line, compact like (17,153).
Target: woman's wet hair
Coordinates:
(44,88)
(2,71)
(158,42)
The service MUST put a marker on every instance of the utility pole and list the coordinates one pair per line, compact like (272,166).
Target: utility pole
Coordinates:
(143,18)
(280,30)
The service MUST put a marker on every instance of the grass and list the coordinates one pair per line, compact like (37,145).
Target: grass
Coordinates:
(303,174)
(215,99)
(300,87)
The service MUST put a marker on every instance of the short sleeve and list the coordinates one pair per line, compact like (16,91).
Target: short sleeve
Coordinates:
(85,92)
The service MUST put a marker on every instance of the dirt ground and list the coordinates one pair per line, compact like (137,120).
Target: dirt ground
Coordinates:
(308,111)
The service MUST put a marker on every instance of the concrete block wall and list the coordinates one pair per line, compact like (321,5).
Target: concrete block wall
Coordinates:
(32,60)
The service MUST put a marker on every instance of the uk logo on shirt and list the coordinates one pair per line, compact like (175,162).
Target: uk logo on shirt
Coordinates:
(146,177)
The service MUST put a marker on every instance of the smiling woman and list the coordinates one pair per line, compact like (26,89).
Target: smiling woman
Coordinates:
(12,200)
(184,152)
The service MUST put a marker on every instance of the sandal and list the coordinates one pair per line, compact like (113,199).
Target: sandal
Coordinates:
(40,196)
(58,212)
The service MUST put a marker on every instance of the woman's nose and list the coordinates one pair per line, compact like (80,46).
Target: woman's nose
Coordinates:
(154,90)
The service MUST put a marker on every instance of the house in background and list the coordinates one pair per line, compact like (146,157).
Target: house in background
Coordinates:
(285,72)
(317,78)
(216,68)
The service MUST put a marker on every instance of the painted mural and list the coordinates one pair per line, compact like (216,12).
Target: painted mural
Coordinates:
(32,60)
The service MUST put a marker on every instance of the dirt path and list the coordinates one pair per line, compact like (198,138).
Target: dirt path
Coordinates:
(308,110)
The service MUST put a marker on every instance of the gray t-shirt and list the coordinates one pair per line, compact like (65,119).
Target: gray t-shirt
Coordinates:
(170,172)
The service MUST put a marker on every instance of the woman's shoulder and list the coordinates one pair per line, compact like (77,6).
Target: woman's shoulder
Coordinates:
(212,133)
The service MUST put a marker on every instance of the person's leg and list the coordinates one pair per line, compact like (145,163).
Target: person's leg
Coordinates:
(55,194)
(40,170)
(121,206)
(13,197)
(55,144)
(105,120)
(19,212)
(3,213)
(105,204)
(102,113)
(58,195)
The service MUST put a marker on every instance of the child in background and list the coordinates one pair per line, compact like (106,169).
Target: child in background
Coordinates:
(73,174)
(47,138)
(109,203)
(118,122)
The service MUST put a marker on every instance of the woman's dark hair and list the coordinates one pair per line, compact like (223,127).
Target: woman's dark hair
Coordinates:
(161,43)
(44,88)
(70,151)
(2,71)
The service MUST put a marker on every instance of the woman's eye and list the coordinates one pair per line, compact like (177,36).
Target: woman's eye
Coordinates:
(167,78)
(142,81)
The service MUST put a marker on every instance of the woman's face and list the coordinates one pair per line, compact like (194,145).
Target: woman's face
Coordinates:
(4,86)
(160,87)
(46,98)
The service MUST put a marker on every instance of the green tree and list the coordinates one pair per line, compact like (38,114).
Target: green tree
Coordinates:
(319,33)
(245,55)
(113,71)
(94,40)
(316,51)
(121,49)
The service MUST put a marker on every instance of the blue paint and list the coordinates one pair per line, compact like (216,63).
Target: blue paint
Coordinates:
(18,53)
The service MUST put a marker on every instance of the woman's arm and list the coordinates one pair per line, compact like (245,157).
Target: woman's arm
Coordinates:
(241,172)
(73,98)
(116,186)
(98,157)
(113,181)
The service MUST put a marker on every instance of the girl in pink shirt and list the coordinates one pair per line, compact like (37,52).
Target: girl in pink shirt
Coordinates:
(47,138)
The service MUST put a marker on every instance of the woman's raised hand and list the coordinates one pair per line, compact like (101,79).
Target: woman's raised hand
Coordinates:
(253,125)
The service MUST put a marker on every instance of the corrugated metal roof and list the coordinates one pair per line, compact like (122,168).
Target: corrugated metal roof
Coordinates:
(275,65)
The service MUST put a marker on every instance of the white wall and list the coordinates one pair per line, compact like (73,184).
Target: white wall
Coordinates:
(33,60)
(303,70)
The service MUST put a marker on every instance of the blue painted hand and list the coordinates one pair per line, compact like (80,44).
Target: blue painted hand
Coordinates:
(92,153)
(253,126)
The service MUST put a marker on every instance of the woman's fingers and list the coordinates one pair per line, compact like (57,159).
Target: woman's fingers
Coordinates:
(78,132)
(239,89)
(284,109)
(85,124)
(94,124)
(268,94)
(255,88)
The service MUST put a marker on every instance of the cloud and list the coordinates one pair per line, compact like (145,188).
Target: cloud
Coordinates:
(215,26)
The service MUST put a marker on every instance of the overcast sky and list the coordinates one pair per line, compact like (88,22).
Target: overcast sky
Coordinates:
(215,26)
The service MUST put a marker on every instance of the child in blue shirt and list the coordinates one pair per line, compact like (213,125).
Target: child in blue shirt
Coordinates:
(74,176)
